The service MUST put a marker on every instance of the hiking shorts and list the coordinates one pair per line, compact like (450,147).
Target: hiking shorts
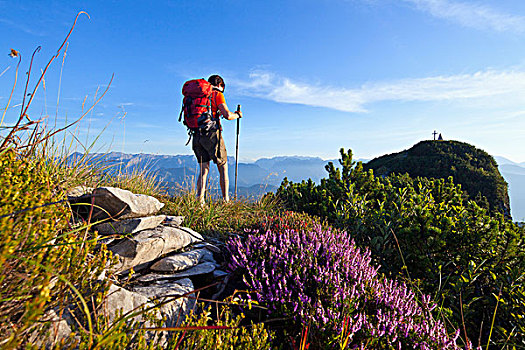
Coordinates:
(209,146)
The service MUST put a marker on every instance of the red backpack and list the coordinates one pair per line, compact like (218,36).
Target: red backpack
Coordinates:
(196,106)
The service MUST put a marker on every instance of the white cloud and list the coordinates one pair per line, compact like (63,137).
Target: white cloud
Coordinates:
(272,87)
(472,15)
(483,84)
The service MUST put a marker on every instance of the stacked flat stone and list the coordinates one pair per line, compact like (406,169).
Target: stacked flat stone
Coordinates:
(164,255)
(144,237)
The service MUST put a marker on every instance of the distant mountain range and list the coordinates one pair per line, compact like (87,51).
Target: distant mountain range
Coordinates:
(181,171)
(265,174)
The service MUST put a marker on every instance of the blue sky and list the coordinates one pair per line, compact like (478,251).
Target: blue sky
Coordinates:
(375,76)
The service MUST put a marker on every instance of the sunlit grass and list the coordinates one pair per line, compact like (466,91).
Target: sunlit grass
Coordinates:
(216,217)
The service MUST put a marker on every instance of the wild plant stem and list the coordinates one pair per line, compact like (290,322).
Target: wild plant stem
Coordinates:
(494,316)
(462,318)
(25,107)
(60,83)
(13,89)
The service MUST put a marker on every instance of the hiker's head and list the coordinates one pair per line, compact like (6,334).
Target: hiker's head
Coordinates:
(216,80)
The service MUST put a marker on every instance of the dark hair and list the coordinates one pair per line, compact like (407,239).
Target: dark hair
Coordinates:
(216,80)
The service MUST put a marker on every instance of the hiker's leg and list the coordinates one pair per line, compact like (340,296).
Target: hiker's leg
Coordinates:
(201,181)
(224,180)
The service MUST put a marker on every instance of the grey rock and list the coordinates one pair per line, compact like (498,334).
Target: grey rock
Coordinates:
(123,204)
(79,191)
(144,296)
(209,246)
(201,269)
(219,274)
(149,245)
(165,288)
(120,299)
(173,221)
(182,261)
(161,299)
(192,233)
(174,306)
(137,270)
(129,226)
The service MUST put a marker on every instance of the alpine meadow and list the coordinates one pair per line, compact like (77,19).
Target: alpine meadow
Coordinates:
(262,175)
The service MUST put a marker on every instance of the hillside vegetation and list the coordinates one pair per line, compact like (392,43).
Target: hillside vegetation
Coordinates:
(475,170)
(426,232)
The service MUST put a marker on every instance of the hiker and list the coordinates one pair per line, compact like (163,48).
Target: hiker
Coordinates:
(208,143)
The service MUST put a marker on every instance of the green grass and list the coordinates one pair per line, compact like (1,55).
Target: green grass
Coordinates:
(218,218)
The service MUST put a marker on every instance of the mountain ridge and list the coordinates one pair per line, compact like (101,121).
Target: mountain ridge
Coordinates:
(256,180)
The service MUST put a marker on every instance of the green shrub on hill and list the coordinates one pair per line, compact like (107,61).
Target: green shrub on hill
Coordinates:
(475,170)
(423,229)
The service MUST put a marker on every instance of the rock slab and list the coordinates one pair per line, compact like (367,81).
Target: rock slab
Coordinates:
(120,299)
(129,226)
(149,245)
(173,221)
(209,246)
(201,269)
(123,204)
(174,307)
(182,261)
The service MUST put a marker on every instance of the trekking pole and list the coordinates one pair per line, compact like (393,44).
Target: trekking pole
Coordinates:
(237,152)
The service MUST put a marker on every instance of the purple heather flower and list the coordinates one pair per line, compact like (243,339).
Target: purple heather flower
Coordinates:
(289,269)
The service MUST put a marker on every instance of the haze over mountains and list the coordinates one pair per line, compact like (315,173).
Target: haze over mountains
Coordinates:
(265,174)
(514,174)
(254,179)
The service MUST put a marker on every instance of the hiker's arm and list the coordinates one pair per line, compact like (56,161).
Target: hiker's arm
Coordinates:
(227,114)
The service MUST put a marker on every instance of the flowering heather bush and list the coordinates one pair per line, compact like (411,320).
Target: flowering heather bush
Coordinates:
(319,277)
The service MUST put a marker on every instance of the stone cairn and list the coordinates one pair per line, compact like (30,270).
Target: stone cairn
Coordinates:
(169,261)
